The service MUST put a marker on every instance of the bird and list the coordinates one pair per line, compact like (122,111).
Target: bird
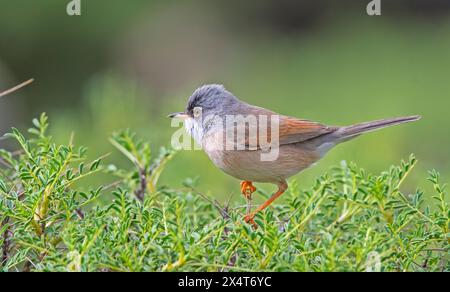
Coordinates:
(301,143)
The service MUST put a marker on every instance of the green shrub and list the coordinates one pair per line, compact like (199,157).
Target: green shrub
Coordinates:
(348,221)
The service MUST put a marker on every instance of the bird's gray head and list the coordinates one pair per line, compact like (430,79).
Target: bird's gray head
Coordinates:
(207,102)
(213,99)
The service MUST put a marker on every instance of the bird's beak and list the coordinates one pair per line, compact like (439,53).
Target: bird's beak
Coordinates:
(180,115)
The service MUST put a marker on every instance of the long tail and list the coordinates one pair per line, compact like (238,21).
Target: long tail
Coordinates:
(349,132)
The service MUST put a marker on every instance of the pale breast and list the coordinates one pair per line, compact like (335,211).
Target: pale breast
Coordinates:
(247,165)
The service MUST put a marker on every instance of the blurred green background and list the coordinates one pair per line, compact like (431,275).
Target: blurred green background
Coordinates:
(128,64)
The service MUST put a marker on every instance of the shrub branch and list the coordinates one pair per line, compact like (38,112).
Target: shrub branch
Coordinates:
(15,88)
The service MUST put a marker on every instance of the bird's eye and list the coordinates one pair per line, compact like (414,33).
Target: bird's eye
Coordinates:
(197,112)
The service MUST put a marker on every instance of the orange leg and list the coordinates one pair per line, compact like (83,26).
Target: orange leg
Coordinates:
(282,187)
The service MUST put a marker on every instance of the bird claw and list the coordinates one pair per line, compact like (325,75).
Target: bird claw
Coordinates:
(249,218)
(247,189)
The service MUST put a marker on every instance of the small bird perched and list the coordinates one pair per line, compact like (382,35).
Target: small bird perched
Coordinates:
(298,143)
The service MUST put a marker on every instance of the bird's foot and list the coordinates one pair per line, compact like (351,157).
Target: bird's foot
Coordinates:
(249,218)
(247,189)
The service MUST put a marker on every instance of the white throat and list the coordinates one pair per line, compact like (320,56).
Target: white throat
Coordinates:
(194,129)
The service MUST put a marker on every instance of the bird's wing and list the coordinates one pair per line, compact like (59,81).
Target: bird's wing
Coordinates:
(293,130)
(290,130)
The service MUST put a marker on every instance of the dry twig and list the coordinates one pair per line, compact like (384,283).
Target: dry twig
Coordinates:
(15,88)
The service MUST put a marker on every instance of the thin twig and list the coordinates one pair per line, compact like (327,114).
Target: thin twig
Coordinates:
(5,247)
(249,204)
(227,205)
(418,265)
(13,154)
(243,206)
(140,192)
(223,212)
(15,88)
(436,249)
(113,185)
(226,230)
(80,213)
(225,215)
(2,162)
(442,263)
(17,152)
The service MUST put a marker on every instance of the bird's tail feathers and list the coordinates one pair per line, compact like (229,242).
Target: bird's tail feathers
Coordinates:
(346,133)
